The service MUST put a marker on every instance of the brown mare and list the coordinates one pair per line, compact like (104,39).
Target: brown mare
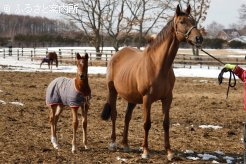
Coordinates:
(143,77)
(51,56)
(74,93)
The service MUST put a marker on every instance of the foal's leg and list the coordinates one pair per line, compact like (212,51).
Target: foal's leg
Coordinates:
(75,127)
(84,109)
(166,103)
(147,125)
(52,120)
(128,117)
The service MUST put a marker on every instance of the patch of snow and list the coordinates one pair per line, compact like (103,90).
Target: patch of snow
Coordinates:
(17,103)
(188,151)
(210,126)
(193,158)
(3,102)
(206,156)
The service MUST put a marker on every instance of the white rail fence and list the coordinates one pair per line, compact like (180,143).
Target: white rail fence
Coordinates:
(67,55)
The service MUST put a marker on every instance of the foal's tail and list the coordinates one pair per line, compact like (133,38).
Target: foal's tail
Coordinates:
(106,112)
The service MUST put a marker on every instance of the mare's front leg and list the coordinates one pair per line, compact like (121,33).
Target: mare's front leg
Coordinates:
(75,127)
(128,117)
(147,124)
(84,109)
(166,103)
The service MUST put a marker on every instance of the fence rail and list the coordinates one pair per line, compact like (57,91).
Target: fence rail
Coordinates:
(67,55)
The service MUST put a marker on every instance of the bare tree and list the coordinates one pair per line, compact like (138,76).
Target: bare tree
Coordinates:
(88,15)
(115,21)
(213,29)
(145,14)
(242,12)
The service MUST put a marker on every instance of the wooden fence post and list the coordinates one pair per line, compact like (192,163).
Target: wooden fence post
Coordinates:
(18,54)
(4,53)
(31,55)
(72,53)
(60,55)
(22,51)
(106,60)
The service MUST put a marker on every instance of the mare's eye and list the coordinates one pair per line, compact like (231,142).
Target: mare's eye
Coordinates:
(182,22)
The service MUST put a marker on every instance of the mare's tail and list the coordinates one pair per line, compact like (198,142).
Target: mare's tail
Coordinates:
(106,112)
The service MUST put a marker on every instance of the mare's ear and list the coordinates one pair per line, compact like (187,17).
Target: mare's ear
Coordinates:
(86,56)
(78,56)
(178,11)
(188,10)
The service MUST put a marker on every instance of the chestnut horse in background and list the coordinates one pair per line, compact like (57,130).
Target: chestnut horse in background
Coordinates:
(50,57)
(143,77)
(74,93)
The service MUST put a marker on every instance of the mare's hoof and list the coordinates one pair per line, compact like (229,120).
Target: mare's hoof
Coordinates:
(145,156)
(170,156)
(112,147)
(56,146)
(126,149)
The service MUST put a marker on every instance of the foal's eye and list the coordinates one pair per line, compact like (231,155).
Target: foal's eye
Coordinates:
(182,22)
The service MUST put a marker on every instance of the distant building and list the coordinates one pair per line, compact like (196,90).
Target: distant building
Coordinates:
(239,39)
(228,34)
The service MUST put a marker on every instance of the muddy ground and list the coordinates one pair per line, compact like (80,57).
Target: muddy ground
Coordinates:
(25,131)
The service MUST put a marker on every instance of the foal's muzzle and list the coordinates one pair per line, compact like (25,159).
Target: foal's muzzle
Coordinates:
(83,77)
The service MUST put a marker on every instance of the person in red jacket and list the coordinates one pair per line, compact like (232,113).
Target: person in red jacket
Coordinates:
(241,73)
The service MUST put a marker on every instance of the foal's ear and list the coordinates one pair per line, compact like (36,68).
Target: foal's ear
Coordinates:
(86,56)
(178,11)
(78,56)
(188,10)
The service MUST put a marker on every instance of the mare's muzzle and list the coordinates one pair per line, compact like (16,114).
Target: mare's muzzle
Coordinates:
(199,39)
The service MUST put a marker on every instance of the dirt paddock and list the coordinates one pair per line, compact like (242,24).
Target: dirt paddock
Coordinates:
(25,131)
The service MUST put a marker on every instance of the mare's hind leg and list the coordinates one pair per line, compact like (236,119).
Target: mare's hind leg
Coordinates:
(166,103)
(75,127)
(109,110)
(128,117)
(54,115)
(112,97)
(84,109)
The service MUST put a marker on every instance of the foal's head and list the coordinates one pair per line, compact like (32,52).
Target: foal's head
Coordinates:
(82,66)
(185,27)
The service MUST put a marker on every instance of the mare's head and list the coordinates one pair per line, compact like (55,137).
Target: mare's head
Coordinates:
(185,27)
(82,66)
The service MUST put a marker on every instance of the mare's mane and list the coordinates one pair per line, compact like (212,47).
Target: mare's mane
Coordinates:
(162,35)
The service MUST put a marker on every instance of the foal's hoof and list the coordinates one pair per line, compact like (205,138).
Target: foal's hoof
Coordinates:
(73,149)
(145,156)
(54,143)
(56,146)
(170,156)
(112,147)
(86,147)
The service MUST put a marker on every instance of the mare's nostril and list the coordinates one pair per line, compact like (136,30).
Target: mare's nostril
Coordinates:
(199,39)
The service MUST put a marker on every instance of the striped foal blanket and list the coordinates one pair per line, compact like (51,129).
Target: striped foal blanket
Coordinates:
(62,91)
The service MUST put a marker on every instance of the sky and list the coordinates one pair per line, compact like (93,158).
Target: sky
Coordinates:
(224,12)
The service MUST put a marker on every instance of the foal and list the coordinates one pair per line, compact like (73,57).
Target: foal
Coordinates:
(51,56)
(74,93)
